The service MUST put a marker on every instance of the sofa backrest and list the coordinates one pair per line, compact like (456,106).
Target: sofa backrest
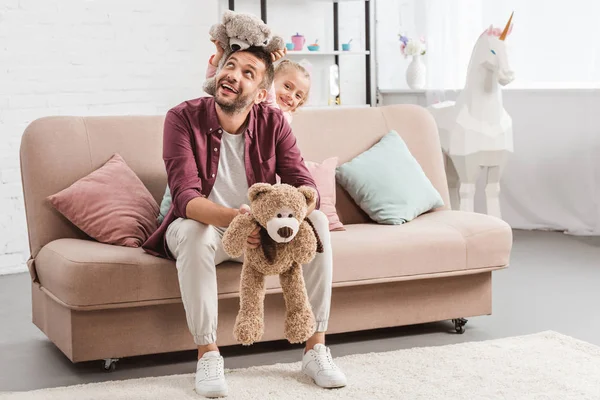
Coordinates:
(57,151)
(347,132)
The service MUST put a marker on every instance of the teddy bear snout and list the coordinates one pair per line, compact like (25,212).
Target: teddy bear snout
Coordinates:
(238,44)
(285,232)
(281,228)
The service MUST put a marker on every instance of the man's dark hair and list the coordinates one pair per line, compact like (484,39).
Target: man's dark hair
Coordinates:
(265,57)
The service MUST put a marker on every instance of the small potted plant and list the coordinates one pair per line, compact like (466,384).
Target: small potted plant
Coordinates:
(416,71)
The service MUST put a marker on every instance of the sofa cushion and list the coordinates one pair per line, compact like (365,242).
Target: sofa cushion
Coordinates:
(111,205)
(324,175)
(388,183)
(86,273)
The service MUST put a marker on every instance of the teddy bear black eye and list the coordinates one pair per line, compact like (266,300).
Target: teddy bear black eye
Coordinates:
(278,215)
(265,42)
(291,215)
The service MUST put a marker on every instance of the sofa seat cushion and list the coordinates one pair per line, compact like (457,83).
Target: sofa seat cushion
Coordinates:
(439,242)
(85,273)
(488,240)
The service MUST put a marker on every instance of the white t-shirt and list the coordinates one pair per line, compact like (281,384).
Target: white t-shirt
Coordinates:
(231,185)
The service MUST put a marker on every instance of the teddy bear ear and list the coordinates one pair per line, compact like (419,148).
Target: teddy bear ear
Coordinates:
(228,16)
(309,193)
(257,189)
(265,30)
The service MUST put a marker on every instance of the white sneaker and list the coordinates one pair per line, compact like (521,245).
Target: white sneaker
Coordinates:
(318,364)
(210,377)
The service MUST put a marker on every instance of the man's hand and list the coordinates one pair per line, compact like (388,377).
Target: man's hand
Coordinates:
(218,53)
(313,204)
(277,54)
(253,240)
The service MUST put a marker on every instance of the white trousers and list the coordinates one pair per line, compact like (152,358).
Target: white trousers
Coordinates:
(198,249)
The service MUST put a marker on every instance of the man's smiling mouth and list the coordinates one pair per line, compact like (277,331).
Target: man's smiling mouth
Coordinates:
(228,88)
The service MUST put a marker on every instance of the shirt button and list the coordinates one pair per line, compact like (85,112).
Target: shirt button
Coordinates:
(213,175)
(215,149)
(220,131)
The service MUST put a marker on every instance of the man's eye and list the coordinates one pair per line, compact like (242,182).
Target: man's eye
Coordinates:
(286,86)
(230,64)
(299,97)
(249,73)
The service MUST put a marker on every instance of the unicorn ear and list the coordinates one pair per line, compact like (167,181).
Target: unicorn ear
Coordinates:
(489,30)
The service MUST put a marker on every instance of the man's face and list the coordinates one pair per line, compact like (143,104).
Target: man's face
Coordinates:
(238,82)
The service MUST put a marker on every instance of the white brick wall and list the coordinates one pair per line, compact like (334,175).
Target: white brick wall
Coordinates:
(78,57)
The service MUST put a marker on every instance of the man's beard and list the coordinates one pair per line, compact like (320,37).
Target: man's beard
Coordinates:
(237,105)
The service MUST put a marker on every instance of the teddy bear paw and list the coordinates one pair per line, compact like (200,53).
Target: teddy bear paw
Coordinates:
(299,326)
(248,330)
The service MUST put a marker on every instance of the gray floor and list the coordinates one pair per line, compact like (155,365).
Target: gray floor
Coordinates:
(553,283)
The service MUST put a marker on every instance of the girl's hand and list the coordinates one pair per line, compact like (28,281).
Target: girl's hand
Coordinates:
(218,53)
(277,54)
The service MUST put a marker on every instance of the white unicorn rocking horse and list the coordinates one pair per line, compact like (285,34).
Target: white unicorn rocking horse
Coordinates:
(476,131)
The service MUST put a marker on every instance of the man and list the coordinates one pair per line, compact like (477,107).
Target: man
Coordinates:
(214,149)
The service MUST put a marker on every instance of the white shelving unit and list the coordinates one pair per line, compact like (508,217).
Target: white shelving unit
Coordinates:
(357,77)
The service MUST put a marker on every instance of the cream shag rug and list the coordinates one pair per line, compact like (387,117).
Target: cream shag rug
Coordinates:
(545,365)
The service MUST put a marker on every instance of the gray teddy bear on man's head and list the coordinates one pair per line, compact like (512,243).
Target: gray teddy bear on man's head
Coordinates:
(238,31)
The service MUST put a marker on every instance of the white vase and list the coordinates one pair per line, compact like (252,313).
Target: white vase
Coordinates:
(416,73)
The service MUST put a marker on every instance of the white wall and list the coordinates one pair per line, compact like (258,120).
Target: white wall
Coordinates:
(552,181)
(78,57)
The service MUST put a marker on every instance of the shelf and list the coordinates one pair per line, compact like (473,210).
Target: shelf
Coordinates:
(326,1)
(324,107)
(327,53)
(402,91)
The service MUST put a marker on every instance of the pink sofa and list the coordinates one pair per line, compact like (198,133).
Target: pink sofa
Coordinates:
(97,301)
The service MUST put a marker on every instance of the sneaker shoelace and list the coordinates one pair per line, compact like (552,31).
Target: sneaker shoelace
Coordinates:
(324,360)
(213,368)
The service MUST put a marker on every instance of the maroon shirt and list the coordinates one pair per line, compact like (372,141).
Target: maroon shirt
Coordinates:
(191,150)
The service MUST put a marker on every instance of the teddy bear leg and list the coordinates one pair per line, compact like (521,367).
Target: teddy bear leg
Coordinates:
(249,324)
(299,320)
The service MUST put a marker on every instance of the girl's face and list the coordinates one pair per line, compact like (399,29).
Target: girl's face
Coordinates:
(291,88)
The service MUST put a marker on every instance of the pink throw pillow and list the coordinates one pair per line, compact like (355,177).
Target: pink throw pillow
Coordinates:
(324,176)
(111,205)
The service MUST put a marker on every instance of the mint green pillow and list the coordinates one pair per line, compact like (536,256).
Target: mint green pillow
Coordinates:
(165,204)
(388,183)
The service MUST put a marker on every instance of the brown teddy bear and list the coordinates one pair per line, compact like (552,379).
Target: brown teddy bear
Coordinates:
(238,31)
(288,240)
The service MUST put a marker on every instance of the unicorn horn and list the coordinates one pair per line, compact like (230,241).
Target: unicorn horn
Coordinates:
(506,28)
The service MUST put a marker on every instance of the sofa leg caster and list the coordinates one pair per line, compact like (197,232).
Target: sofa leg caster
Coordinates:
(459,325)
(110,364)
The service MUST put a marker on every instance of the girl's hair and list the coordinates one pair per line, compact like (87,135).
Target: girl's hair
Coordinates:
(287,64)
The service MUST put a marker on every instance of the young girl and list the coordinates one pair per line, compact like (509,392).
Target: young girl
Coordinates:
(291,84)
